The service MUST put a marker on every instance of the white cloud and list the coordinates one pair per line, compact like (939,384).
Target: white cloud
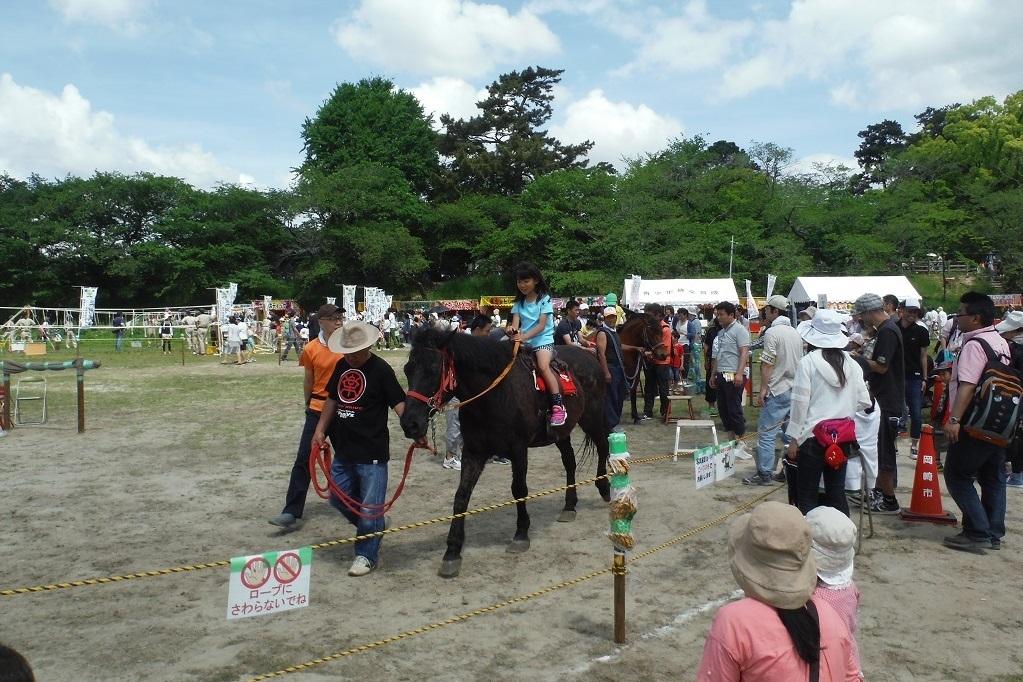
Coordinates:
(446,95)
(618,129)
(813,164)
(55,134)
(121,15)
(692,41)
(901,53)
(448,37)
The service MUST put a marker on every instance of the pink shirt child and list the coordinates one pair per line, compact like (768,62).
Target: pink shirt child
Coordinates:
(845,599)
(748,642)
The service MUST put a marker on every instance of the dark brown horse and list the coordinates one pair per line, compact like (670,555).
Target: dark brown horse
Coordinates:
(640,331)
(506,421)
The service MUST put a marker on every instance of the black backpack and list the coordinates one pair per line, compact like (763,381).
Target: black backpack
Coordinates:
(994,414)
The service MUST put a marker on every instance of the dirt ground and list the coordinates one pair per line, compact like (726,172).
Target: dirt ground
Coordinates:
(182,465)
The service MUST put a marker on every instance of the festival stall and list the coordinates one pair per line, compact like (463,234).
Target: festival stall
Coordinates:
(838,290)
(678,292)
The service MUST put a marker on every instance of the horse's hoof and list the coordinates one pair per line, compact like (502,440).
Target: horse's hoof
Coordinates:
(566,516)
(517,546)
(606,496)
(450,568)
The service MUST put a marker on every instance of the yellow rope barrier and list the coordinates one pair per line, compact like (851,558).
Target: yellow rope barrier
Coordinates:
(507,602)
(35,589)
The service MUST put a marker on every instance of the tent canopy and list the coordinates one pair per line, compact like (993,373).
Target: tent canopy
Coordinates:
(848,289)
(676,292)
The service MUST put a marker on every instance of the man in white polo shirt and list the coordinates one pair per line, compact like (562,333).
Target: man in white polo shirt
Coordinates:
(783,349)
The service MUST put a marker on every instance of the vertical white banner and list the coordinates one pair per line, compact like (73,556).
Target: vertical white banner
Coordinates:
(87,307)
(771,280)
(268,302)
(751,304)
(634,285)
(348,300)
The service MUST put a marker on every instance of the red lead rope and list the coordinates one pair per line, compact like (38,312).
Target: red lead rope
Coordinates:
(320,460)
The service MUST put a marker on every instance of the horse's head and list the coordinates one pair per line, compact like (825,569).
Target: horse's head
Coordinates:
(647,330)
(652,336)
(425,372)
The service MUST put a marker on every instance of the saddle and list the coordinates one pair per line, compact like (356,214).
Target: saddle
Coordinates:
(565,377)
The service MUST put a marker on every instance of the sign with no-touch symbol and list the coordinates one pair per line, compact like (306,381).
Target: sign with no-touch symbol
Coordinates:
(268,583)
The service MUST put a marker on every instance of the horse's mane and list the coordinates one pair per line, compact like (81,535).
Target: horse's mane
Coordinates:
(470,352)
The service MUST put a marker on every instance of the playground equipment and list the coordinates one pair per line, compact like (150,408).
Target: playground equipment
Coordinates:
(7,368)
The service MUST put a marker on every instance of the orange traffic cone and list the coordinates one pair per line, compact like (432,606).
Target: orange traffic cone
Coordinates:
(926,502)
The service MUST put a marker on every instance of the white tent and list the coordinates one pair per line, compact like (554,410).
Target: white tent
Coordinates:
(676,292)
(848,289)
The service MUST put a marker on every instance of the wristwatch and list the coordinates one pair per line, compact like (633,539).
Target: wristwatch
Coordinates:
(953,420)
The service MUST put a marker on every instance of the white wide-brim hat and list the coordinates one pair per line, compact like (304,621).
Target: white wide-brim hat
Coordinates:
(824,330)
(353,337)
(833,543)
(1011,323)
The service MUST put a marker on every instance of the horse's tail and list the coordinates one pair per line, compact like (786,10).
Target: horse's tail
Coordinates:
(589,449)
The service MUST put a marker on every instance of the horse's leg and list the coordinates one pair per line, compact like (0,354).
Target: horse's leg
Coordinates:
(632,397)
(472,466)
(571,495)
(520,543)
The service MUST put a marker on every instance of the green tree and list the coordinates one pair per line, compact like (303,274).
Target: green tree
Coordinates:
(881,141)
(371,122)
(505,146)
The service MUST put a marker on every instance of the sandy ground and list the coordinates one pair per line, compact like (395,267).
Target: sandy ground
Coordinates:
(159,481)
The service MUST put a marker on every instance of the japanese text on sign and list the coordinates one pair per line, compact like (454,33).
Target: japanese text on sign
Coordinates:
(267,583)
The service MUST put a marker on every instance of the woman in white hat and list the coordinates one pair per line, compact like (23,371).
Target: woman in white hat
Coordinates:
(779,631)
(828,385)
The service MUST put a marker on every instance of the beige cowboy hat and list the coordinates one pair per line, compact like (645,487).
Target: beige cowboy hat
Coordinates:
(769,554)
(353,337)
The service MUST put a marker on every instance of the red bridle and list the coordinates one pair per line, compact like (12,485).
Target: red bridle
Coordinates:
(447,384)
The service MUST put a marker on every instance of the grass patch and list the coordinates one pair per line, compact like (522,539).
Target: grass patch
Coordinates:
(934,295)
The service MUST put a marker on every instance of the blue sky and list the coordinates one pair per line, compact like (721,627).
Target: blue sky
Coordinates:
(216,91)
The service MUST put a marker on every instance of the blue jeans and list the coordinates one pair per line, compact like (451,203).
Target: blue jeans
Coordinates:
(972,460)
(288,345)
(774,416)
(915,402)
(368,484)
(118,342)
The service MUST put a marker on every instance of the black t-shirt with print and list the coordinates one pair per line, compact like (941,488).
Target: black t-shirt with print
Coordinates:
(914,339)
(364,395)
(889,389)
(567,326)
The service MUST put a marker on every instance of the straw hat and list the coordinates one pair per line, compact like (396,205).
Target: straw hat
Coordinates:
(353,337)
(833,544)
(769,554)
(824,330)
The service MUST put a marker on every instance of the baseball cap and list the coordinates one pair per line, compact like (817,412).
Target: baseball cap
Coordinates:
(328,310)
(912,302)
(610,310)
(778,302)
(866,303)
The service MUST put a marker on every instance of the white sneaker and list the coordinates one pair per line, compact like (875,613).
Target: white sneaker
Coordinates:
(452,463)
(741,452)
(361,566)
